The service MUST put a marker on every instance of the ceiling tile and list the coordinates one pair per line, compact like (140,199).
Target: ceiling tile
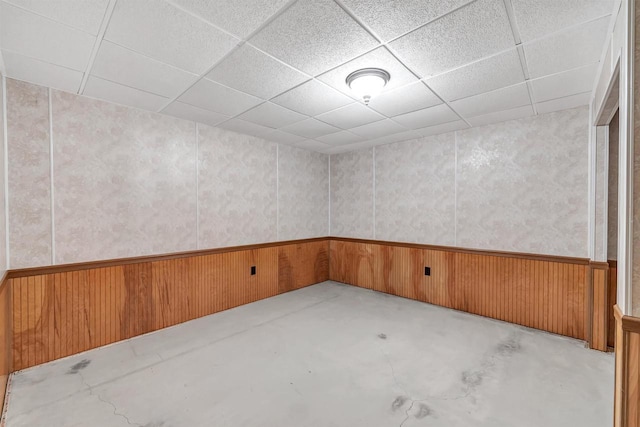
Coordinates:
(251,71)
(247,128)
(41,73)
(189,112)
(482,76)
(340,138)
(489,102)
(159,30)
(392,18)
(502,116)
(30,35)
(404,100)
(272,115)
(468,34)
(84,15)
(379,58)
(537,18)
(314,36)
(443,128)
(569,49)
(220,99)
(239,17)
(114,92)
(129,68)
(335,149)
(378,129)
(284,137)
(427,117)
(310,128)
(564,103)
(564,84)
(312,145)
(312,98)
(352,115)
(396,137)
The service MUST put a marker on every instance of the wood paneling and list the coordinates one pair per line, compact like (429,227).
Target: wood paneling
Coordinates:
(66,311)
(599,322)
(613,300)
(542,292)
(627,389)
(302,265)
(5,338)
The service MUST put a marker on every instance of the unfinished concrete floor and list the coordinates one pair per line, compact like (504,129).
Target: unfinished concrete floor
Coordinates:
(326,355)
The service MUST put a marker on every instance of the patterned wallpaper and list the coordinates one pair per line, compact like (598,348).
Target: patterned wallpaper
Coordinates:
(516,186)
(124,182)
(3,229)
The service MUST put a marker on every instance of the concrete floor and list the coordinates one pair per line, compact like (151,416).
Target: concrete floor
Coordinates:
(326,355)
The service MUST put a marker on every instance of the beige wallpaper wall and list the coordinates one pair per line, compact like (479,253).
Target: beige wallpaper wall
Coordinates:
(3,229)
(612,181)
(516,186)
(91,180)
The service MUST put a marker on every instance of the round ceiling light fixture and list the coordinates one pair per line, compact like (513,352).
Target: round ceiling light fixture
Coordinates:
(368,82)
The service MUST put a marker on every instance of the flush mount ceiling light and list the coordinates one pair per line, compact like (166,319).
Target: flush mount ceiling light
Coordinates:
(368,82)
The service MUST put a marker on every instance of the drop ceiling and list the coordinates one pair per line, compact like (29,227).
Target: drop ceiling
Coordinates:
(276,69)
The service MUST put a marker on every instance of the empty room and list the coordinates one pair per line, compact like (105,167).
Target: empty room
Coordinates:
(376,213)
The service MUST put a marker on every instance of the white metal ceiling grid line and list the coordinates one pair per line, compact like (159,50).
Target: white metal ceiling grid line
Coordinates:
(520,49)
(96,46)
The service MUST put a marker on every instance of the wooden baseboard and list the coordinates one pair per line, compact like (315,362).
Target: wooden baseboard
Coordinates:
(627,388)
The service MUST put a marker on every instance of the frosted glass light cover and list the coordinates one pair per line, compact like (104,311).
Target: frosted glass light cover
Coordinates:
(367,83)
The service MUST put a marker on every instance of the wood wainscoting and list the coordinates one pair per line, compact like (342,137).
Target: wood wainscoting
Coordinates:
(63,310)
(5,337)
(542,292)
(627,389)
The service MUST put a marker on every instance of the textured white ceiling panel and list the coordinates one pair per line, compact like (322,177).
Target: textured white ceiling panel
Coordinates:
(189,112)
(537,18)
(340,138)
(41,73)
(272,115)
(352,115)
(408,98)
(379,58)
(468,34)
(489,102)
(310,128)
(312,98)
(114,92)
(284,137)
(427,117)
(30,35)
(220,99)
(396,137)
(443,128)
(251,71)
(378,129)
(312,145)
(564,84)
(159,30)
(392,18)
(569,49)
(314,36)
(501,116)
(482,76)
(84,15)
(563,103)
(129,68)
(247,128)
(239,17)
